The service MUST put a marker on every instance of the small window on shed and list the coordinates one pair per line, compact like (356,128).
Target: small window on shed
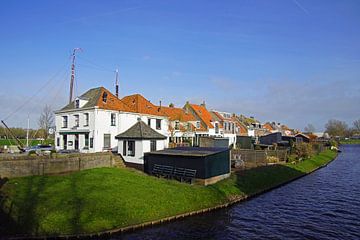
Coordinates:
(104,97)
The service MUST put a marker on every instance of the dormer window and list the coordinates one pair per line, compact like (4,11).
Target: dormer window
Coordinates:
(177,125)
(77,103)
(104,97)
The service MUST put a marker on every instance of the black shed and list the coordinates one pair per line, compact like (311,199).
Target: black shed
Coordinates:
(211,164)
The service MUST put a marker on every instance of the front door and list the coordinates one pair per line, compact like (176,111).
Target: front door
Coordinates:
(76,141)
(65,141)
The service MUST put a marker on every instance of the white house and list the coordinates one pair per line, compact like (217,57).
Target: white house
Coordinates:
(91,122)
(137,140)
(229,126)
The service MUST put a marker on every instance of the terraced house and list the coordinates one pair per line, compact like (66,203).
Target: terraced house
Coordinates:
(228,123)
(206,124)
(91,122)
(181,125)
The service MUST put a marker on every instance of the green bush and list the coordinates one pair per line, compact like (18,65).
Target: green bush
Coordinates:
(32,152)
(303,150)
(333,143)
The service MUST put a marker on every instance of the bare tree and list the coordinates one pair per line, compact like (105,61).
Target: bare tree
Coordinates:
(309,128)
(46,120)
(356,124)
(336,128)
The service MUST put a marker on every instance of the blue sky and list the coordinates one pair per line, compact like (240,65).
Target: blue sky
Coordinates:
(290,61)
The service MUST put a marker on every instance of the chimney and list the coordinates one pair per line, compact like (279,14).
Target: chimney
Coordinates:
(117,83)
(203,104)
(159,106)
(187,107)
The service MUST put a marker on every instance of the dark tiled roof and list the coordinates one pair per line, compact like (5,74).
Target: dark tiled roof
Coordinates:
(94,98)
(140,130)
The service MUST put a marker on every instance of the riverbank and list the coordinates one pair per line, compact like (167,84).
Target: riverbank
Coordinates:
(350,141)
(98,200)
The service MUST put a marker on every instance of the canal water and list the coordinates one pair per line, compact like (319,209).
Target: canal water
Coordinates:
(322,205)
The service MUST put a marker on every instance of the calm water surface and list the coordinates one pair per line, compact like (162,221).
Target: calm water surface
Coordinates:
(322,205)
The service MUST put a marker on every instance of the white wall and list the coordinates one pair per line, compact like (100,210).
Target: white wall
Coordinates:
(100,124)
(141,147)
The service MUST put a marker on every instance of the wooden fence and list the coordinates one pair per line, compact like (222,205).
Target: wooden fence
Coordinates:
(246,159)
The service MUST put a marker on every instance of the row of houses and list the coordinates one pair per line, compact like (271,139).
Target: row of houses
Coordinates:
(100,121)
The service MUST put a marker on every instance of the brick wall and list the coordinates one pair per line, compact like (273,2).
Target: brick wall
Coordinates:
(20,166)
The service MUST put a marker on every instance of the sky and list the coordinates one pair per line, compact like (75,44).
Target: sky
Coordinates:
(290,61)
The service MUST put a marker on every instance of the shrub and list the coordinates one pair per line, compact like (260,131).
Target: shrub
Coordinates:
(32,152)
(303,150)
(333,143)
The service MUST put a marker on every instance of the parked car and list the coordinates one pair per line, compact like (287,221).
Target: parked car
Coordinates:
(39,148)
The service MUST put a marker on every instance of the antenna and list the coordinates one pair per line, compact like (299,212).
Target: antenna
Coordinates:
(117,83)
(73,74)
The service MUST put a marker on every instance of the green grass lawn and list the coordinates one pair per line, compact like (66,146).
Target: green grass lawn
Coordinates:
(350,141)
(106,198)
(31,142)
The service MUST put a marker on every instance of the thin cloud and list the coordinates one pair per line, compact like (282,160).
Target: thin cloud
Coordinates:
(301,7)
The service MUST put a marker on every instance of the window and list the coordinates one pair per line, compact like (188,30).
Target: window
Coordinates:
(91,142)
(124,148)
(131,148)
(158,124)
(113,119)
(149,122)
(216,128)
(104,97)
(177,125)
(76,120)
(58,142)
(107,141)
(152,145)
(198,124)
(65,122)
(86,116)
(77,103)
(86,141)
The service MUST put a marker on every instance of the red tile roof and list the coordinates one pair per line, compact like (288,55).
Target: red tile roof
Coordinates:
(268,126)
(203,114)
(137,103)
(177,114)
(112,102)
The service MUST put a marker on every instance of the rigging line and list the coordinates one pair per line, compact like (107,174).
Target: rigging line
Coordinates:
(36,93)
(60,88)
(52,87)
(95,64)
(95,68)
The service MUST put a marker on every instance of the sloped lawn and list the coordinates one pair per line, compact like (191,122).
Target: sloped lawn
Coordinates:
(106,198)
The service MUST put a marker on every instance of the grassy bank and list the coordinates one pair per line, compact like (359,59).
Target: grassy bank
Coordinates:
(101,199)
(32,142)
(350,141)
